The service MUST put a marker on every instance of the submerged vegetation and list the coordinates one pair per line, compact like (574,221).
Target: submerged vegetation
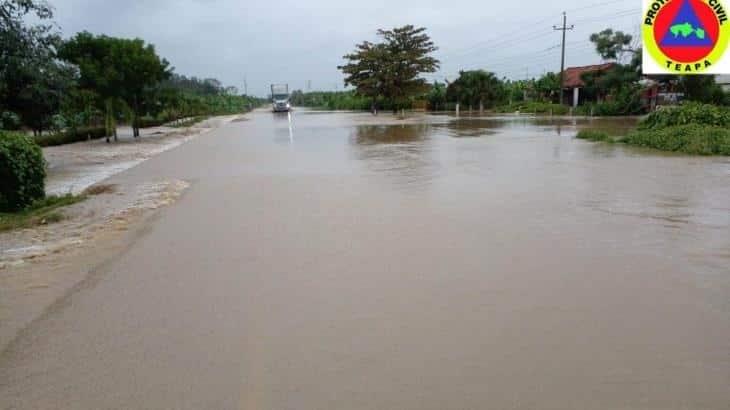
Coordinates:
(688,113)
(594,135)
(693,128)
(696,139)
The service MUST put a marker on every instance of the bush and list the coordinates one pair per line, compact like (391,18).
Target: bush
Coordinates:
(22,172)
(9,121)
(688,113)
(70,136)
(690,139)
(593,135)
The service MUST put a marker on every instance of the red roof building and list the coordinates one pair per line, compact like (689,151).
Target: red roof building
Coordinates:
(572,77)
(572,81)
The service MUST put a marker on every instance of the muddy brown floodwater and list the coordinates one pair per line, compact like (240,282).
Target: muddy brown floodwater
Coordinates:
(342,261)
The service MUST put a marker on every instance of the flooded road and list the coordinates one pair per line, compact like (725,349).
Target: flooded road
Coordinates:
(343,261)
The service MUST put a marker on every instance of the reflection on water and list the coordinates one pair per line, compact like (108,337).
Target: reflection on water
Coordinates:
(402,152)
(470,127)
(391,134)
(417,154)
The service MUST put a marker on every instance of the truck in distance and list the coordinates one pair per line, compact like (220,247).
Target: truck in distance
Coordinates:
(280,97)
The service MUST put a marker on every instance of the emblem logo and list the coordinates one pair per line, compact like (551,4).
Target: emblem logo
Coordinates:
(685,36)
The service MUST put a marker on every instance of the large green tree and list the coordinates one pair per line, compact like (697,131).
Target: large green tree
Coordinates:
(32,81)
(391,69)
(22,45)
(119,70)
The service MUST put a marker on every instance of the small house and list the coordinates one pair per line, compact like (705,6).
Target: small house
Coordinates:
(573,82)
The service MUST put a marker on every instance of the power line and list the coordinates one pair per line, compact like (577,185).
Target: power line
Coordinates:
(511,64)
(500,39)
(619,14)
(538,33)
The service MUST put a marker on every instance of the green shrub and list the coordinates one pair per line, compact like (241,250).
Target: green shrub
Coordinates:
(593,135)
(70,136)
(690,139)
(22,171)
(688,113)
(9,121)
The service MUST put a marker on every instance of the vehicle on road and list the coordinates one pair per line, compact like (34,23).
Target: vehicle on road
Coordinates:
(280,97)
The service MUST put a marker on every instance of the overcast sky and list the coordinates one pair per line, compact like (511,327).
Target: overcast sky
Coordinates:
(296,41)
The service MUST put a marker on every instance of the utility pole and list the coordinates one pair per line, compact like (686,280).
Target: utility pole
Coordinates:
(564,29)
(245,86)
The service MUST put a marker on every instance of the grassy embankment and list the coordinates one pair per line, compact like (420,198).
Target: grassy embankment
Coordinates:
(42,212)
(697,129)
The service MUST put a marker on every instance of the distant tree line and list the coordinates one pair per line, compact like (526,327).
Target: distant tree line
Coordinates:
(387,75)
(48,83)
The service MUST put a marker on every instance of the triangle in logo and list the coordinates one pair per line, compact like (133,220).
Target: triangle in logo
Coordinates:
(686,29)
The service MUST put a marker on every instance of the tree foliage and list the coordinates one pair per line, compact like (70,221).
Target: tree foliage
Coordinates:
(117,69)
(701,88)
(616,90)
(437,96)
(546,85)
(32,80)
(476,88)
(612,45)
(22,46)
(391,68)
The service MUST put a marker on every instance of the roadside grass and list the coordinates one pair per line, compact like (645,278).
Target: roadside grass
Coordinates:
(189,122)
(42,212)
(694,139)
